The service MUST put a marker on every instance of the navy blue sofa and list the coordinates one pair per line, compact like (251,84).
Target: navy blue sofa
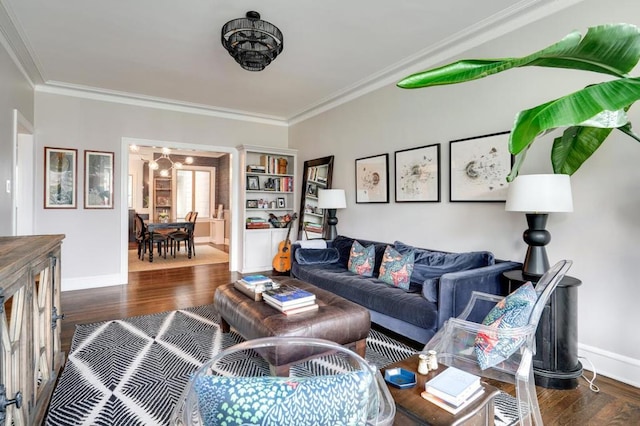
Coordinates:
(441,283)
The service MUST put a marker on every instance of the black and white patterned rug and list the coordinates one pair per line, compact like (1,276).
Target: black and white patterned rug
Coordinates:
(132,371)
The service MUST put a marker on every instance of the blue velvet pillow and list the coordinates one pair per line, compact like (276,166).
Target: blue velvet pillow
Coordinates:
(430,265)
(396,268)
(362,259)
(295,401)
(316,256)
(511,312)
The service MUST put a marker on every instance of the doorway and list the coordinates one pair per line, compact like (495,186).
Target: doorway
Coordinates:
(154,195)
(23,175)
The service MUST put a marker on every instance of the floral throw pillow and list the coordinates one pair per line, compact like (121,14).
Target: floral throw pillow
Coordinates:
(396,268)
(361,259)
(511,312)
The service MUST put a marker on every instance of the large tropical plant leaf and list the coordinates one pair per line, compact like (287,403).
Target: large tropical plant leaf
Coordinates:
(611,49)
(575,146)
(574,109)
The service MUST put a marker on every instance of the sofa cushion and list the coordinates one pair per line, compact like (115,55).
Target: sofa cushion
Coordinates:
(396,268)
(327,400)
(430,265)
(511,312)
(315,256)
(343,245)
(361,259)
(372,294)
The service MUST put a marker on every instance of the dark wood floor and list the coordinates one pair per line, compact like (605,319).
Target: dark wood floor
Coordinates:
(158,291)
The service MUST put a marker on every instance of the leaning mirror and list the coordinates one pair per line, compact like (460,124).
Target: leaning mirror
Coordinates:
(315,175)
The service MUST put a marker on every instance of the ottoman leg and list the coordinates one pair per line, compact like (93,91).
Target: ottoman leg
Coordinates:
(224,325)
(361,347)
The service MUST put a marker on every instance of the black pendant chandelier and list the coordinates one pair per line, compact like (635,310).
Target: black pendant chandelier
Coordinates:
(253,43)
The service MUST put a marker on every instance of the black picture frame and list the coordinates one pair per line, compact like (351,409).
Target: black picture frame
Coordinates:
(252,204)
(372,179)
(281,203)
(253,183)
(417,174)
(478,168)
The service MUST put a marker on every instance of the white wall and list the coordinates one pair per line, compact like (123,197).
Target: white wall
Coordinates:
(15,93)
(601,236)
(92,250)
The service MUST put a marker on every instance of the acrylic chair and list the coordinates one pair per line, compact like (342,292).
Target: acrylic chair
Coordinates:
(327,384)
(455,342)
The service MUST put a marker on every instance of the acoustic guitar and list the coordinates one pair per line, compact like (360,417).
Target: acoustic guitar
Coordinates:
(282,260)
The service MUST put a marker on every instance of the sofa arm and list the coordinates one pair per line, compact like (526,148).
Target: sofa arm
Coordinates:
(456,287)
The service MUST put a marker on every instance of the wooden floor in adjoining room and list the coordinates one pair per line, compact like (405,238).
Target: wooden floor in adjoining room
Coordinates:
(157,291)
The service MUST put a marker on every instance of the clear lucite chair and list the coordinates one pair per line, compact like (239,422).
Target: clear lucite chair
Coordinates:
(455,342)
(327,384)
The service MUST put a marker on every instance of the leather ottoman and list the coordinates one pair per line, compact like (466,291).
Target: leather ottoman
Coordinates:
(336,319)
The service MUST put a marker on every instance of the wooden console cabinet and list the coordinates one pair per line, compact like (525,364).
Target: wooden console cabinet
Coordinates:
(31,357)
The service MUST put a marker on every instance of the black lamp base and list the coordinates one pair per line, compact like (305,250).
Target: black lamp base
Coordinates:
(331,232)
(536,262)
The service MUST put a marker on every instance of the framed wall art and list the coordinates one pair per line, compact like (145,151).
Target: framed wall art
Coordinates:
(417,177)
(60,178)
(479,168)
(372,179)
(98,180)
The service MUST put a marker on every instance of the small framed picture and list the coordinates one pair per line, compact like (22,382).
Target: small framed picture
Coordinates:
(252,204)
(281,203)
(98,180)
(60,178)
(253,183)
(372,179)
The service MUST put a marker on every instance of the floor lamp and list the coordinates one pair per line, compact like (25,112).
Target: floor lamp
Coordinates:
(331,199)
(537,196)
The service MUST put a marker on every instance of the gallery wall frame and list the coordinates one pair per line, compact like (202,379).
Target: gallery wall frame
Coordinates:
(60,178)
(98,179)
(417,174)
(479,167)
(372,179)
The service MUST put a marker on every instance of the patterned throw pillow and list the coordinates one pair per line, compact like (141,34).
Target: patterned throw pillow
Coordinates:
(294,401)
(511,312)
(362,259)
(396,268)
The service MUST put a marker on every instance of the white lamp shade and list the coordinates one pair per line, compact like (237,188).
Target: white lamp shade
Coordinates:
(332,199)
(540,194)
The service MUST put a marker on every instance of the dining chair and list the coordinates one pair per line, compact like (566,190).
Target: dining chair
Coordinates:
(501,346)
(144,239)
(176,237)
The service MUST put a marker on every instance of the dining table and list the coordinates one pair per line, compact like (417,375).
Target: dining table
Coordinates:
(156,226)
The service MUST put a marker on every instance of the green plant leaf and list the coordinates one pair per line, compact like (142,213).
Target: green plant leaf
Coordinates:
(575,146)
(611,49)
(573,109)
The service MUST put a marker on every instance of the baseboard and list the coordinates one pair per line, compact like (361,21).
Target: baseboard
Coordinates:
(618,367)
(83,283)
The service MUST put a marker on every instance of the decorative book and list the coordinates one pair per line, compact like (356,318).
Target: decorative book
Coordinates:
(288,295)
(255,279)
(450,407)
(453,385)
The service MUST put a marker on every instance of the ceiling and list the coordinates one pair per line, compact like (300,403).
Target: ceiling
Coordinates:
(170,51)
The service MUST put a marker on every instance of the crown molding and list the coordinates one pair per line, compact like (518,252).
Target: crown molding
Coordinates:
(14,43)
(508,20)
(86,92)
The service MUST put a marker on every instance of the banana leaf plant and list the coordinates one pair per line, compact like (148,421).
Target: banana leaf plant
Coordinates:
(589,114)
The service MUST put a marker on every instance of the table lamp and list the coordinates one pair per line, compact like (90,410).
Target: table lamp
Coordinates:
(538,195)
(331,199)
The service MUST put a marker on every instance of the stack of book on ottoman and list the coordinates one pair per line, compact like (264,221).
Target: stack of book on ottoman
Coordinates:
(254,285)
(453,389)
(290,300)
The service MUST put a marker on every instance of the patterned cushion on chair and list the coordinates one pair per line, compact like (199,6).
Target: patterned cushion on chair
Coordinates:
(511,312)
(362,259)
(396,268)
(296,401)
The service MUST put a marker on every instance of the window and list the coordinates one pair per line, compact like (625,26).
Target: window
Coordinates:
(193,192)
(130,192)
